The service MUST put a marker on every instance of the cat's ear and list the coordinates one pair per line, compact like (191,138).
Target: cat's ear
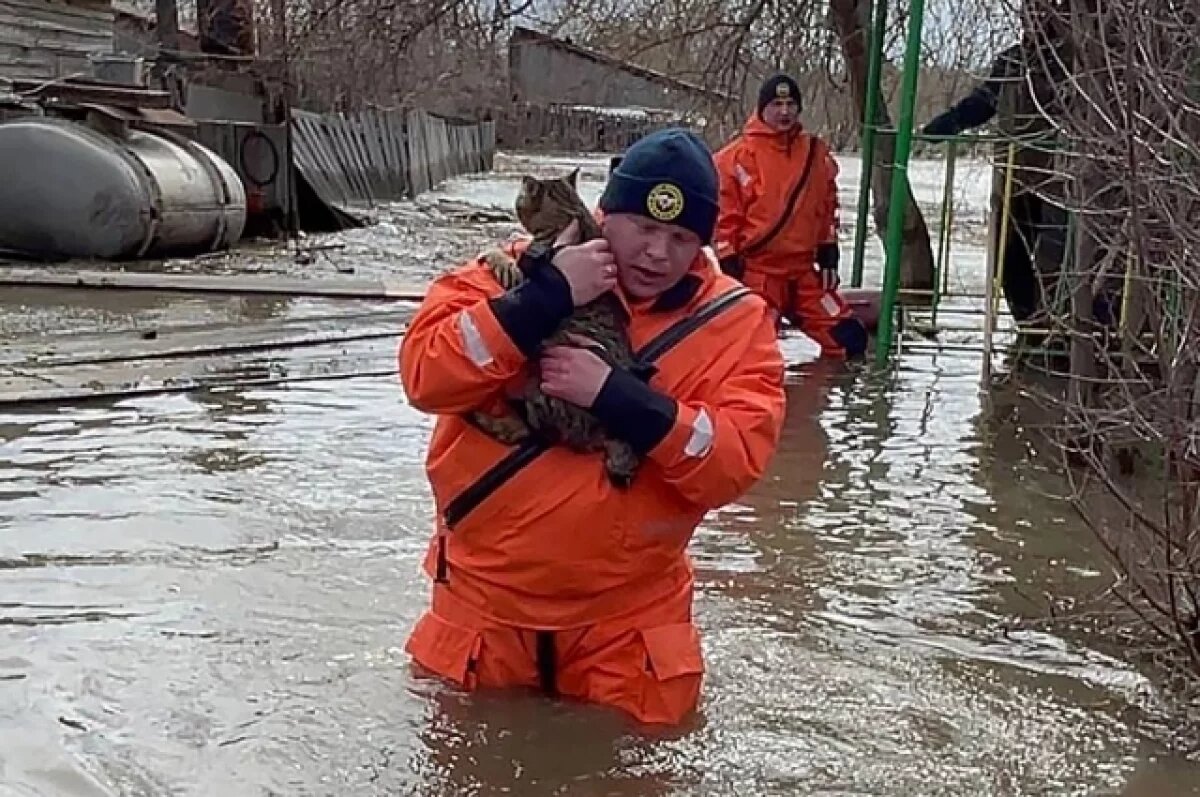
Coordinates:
(531,186)
(573,177)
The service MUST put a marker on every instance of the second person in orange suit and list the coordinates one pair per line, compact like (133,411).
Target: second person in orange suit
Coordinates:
(777,228)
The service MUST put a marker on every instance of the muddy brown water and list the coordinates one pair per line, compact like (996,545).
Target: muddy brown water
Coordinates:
(208,593)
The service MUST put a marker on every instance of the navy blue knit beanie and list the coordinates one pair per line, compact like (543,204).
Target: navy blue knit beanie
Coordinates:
(667,176)
(778,86)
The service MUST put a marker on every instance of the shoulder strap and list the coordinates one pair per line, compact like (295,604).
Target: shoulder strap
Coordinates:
(805,173)
(670,337)
(516,460)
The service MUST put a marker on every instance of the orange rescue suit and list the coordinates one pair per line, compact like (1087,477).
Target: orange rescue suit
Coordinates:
(759,171)
(558,552)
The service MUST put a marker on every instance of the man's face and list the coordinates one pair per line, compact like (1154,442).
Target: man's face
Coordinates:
(781,114)
(651,256)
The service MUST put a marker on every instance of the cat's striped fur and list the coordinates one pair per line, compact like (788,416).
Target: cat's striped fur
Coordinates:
(545,207)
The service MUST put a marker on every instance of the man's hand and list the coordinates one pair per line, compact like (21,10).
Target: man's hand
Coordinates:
(828,257)
(589,268)
(573,373)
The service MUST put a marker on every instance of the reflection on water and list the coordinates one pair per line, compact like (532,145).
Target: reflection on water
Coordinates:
(209,593)
(32,312)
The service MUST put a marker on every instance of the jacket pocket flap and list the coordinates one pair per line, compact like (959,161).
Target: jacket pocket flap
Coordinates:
(673,650)
(447,649)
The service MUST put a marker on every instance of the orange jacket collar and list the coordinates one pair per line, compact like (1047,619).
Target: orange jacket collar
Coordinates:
(755,129)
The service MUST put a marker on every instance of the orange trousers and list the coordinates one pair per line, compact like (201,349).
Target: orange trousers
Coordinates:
(800,299)
(647,664)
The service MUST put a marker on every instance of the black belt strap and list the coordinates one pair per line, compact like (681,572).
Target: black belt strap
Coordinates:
(499,474)
(547,662)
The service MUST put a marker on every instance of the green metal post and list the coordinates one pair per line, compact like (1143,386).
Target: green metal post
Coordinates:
(870,109)
(898,206)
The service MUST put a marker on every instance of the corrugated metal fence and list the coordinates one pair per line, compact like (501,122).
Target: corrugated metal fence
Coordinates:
(360,159)
(526,126)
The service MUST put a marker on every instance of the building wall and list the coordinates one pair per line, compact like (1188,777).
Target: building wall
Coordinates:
(543,71)
(40,39)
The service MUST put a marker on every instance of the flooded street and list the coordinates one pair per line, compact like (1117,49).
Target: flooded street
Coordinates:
(208,592)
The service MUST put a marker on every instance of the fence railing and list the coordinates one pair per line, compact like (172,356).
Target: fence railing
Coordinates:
(360,159)
(530,127)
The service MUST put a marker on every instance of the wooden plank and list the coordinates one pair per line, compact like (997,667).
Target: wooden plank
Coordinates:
(84,10)
(42,356)
(331,170)
(322,146)
(448,166)
(104,95)
(325,152)
(310,159)
(455,161)
(335,141)
(40,33)
(100,14)
(361,127)
(418,162)
(427,152)
(18,55)
(389,168)
(355,170)
(398,128)
(346,155)
(40,41)
(162,376)
(489,144)
(384,288)
(343,167)
(436,150)
(379,165)
(358,139)
(387,142)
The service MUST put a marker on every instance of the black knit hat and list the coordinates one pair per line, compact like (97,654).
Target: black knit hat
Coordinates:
(778,86)
(668,176)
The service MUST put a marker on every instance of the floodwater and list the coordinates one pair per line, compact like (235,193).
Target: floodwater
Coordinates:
(208,593)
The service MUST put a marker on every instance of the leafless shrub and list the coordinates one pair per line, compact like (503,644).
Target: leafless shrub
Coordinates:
(442,55)
(452,53)
(1128,123)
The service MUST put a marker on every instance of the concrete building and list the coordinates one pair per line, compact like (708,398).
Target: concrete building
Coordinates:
(544,70)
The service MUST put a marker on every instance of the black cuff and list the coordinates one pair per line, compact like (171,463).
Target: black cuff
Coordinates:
(532,311)
(828,256)
(976,109)
(945,124)
(633,411)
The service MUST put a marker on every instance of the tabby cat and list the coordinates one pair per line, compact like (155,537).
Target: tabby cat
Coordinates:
(545,208)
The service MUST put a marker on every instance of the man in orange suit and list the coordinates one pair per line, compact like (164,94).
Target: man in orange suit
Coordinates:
(545,574)
(777,228)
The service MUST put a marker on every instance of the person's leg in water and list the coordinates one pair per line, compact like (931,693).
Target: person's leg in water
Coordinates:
(1022,292)
(647,664)
(774,291)
(825,317)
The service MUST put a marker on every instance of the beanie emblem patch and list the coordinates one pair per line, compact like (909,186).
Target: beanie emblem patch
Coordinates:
(664,202)
(782,90)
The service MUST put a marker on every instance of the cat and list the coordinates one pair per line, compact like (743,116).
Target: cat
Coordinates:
(545,207)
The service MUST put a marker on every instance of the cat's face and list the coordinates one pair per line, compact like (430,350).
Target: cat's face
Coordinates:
(546,206)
